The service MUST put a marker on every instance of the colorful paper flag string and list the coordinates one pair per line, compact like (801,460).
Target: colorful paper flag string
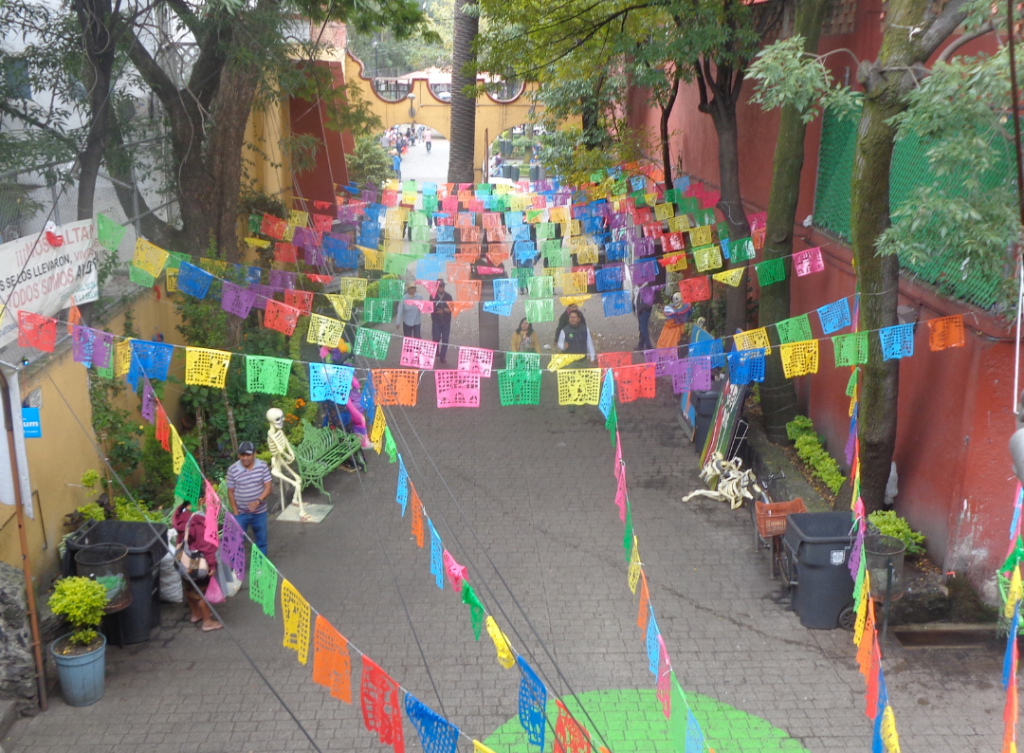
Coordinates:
(396,386)
(295,612)
(476,609)
(437,734)
(519,387)
(456,572)
(579,386)
(378,698)
(501,643)
(532,700)
(570,737)
(262,581)
(205,367)
(232,545)
(332,665)
(436,559)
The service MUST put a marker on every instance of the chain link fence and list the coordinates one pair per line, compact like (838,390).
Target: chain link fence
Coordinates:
(909,170)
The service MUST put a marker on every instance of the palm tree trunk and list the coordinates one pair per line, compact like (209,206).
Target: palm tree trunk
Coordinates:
(463,137)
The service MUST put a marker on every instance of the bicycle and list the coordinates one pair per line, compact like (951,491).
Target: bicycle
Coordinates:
(769,522)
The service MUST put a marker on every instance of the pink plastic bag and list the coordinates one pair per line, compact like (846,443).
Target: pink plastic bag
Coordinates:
(213,593)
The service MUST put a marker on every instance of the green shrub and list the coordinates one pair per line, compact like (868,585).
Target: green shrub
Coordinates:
(80,601)
(368,163)
(798,427)
(820,463)
(124,509)
(91,511)
(889,523)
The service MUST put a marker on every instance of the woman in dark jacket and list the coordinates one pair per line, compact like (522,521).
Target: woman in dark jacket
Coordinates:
(196,523)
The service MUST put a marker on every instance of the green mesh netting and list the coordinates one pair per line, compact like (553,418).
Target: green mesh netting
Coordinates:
(909,170)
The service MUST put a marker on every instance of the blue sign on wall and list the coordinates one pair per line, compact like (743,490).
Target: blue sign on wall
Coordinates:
(30,423)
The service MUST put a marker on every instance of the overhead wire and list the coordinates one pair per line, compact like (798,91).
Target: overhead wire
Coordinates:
(140,509)
(465,553)
(538,666)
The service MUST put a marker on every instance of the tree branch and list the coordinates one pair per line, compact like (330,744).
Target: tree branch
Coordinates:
(939,30)
(154,75)
(27,119)
(702,87)
(956,44)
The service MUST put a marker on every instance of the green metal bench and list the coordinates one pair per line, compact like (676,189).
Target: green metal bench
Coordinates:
(322,450)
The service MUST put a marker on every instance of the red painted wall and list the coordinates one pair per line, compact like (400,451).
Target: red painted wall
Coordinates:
(307,118)
(954,409)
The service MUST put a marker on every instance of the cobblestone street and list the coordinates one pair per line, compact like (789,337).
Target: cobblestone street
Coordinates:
(524,497)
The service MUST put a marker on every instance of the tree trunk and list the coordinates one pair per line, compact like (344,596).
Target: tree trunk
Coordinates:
(887,83)
(99,47)
(666,148)
(878,280)
(463,137)
(778,395)
(723,114)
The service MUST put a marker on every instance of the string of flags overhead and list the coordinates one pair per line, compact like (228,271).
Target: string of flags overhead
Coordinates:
(381,698)
(584,223)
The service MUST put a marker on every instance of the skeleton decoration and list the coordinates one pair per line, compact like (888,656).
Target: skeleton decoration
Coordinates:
(282,456)
(734,485)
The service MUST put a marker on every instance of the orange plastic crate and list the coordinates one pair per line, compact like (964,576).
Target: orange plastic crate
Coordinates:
(771,517)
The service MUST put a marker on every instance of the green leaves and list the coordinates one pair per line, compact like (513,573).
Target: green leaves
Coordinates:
(889,523)
(788,76)
(965,215)
(81,602)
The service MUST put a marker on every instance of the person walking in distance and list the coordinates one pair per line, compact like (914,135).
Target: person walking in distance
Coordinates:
(524,339)
(409,314)
(643,303)
(428,139)
(248,488)
(575,337)
(441,321)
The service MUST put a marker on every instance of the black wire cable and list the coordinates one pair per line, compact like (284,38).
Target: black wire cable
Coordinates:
(465,552)
(394,578)
(490,593)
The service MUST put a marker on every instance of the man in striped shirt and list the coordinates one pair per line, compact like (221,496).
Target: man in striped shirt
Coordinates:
(248,488)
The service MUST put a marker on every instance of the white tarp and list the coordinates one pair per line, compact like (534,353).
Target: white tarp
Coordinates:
(38,277)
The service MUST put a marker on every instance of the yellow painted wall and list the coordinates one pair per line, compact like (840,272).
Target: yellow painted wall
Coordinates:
(65,452)
(492,118)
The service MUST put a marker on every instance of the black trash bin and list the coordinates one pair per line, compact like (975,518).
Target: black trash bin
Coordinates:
(514,177)
(506,171)
(818,546)
(147,545)
(704,404)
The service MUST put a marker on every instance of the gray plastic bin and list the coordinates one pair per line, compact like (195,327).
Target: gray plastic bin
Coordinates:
(818,545)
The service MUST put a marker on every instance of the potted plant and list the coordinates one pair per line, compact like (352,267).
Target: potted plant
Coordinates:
(81,654)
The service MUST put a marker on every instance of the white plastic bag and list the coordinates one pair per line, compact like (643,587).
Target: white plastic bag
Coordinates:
(229,582)
(170,580)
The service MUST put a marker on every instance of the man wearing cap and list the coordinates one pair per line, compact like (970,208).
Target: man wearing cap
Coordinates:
(248,488)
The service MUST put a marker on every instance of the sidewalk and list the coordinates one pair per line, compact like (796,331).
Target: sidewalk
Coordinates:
(535,485)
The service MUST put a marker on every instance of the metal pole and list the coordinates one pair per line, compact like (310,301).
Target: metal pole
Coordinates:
(56,204)
(888,598)
(26,566)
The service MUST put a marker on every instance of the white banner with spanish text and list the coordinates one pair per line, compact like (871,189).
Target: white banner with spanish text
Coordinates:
(42,272)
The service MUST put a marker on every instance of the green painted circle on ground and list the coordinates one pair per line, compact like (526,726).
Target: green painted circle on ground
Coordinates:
(632,721)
